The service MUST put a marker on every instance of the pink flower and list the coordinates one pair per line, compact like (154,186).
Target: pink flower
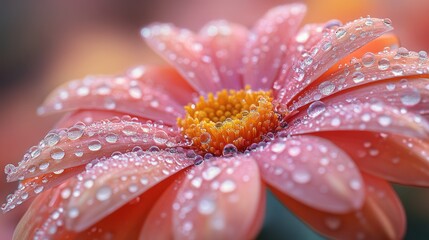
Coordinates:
(324,115)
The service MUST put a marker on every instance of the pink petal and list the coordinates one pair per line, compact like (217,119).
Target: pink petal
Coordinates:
(314,171)
(371,116)
(395,158)
(111,183)
(368,69)
(34,186)
(88,117)
(80,144)
(145,91)
(330,49)
(269,44)
(218,199)
(224,43)
(184,50)
(381,216)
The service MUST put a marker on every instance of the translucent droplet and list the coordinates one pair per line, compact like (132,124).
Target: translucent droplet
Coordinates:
(94,145)
(340,33)
(383,64)
(229,150)
(315,109)
(160,137)
(205,138)
(368,59)
(301,176)
(132,188)
(57,153)
(74,133)
(227,186)
(294,151)
(423,55)
(9,168)
(397,70)
(103,193)
(326,88)
(44,166)
(358,77)
(355,184)
(52,139)
(73,212)
(38,189)
(211,172)
(111,138)
(411,98)
(278,147)
(206,206)
(384,121)
(135,92)
(109,104)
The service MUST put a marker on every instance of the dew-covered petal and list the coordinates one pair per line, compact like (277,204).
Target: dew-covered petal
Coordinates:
(184,50)
(372,116)
(148,92)
(331,48)
(80,144)
(395,158)
(368,68)
(87,117)
(218,199)
(314,171)
(223,42)
(111,183)
(381,216)
(36,185)
(45,218)
(267,47)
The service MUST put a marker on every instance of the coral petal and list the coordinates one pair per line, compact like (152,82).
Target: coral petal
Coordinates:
(81,144)
(314,171)
(330,49)
(381,216)
(395,158)
(208,202)
(367,116)
(146,92)
(268,46)
(119,179)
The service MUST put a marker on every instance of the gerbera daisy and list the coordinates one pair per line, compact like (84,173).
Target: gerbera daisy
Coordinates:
(324,116)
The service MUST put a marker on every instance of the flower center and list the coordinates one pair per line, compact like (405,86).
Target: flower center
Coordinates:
(230,121)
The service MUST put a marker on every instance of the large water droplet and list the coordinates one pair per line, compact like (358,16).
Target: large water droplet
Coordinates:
(229,150)
(278,147)
(326,88)
(94,145)
(316,108)
(301,176)
(358,77)
(57,153)
(160,137)
(227,186)
(103,193)
(206,206)
(211,172)
(411,98)
(383,64)
(74,133)
(368,59)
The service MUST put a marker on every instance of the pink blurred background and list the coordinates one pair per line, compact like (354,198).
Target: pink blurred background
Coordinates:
(45,43)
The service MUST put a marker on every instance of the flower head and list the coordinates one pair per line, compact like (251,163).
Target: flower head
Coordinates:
(323,115)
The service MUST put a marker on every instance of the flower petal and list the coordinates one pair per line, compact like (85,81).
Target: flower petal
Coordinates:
(395,158)
(371,116)
(368,68)
(80,144)
(314,171)
(381,216)
(44,219)
(34,186)
(330,49)
(269,44)
(217,199)
(224,43)
(111,183)
(149,92)
(184,50)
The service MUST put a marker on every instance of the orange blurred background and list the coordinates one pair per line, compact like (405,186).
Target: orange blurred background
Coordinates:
(45,43)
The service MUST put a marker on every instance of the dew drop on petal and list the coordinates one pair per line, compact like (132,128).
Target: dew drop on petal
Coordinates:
(57,153)
(340,32)
(316,108)
(411,98)
(94,145)
(368,59)
(326,88)
(294,151)
(52,139)
(73,212)
(44,166)
(301,176)
(358,77)
(355,184)
(278,147)
(229,150)
(211,172)
(103,193)
(205,138)
(384,121)
(9,168)
(111,138)
(383,64)
(74,133)
(160,137)
(206,206)
(227,186)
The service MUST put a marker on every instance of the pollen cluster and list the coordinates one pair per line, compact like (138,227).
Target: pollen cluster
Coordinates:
(231,117)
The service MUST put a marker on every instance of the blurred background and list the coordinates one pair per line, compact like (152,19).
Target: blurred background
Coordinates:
(45,43)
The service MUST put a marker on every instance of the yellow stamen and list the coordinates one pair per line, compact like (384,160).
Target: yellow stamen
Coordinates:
(232,117)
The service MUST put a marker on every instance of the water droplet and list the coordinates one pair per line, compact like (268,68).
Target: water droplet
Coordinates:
(340,32)
(294,151)
(383,64)
(73,212)
(57,153)
(301,176)
(205,138)
(390,86)
(133,188)
(135,92)
(358,77)
(227,186)
(74,133)
(9,168)
(52,139)
(315,109)
(278,147)
(44,166)
(355,184)
(229,150)
(65,193)
(211,172)
(384,120)
(326,88)
(411,98)
(38,189)
(423,55)
(160,137)
(109,104)
(103,193)
(397,70)
(368,59)
(111,138)
(335,122)
(387,21)
(94,145)
(206,206)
